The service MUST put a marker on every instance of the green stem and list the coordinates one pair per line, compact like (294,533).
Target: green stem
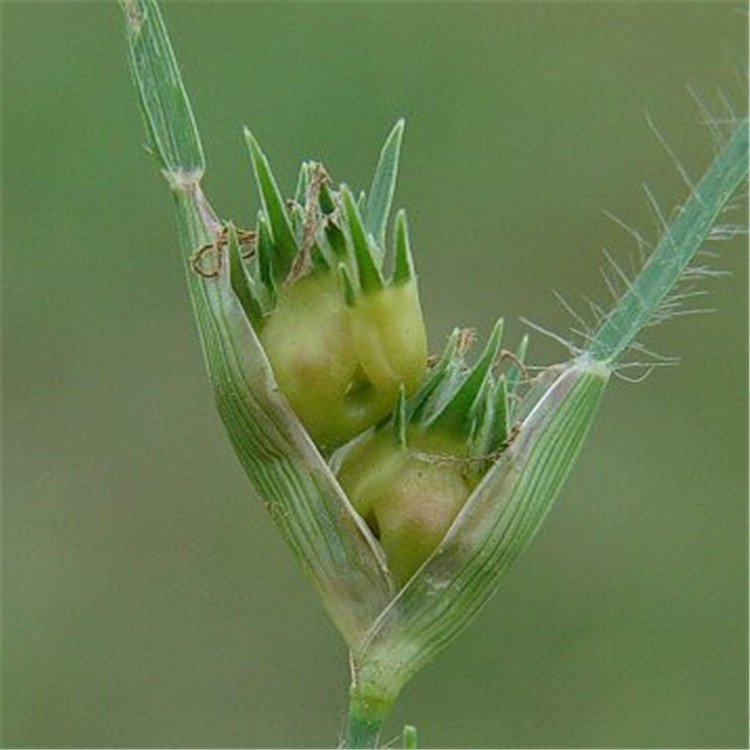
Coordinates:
(362,731)
(367,712)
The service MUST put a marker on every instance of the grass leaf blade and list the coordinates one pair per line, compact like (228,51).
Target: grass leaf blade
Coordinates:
(681,241)
(164,102)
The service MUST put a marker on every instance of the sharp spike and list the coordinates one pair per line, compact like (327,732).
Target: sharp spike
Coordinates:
(403,270)
(241,283)
(438,379)
(347,287)
(285,246)
(459,412)
(383,185)
(370,278)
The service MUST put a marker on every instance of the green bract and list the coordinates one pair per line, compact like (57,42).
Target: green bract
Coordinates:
(342,338)
(495,525)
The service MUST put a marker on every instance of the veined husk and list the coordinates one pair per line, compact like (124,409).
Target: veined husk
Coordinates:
(330,540)
(391,634)
(495,526)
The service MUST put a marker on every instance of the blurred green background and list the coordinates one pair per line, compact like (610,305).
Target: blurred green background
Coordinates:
(149,602)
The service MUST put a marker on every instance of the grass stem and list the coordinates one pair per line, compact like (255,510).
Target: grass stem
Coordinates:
(364,720)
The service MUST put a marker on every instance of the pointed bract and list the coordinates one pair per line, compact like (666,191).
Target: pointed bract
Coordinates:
(337,241)
(370,278)
(241,283)
(460,410)
(325,200)
(265,254)
(297,219)
(383,185)
(436,378)
(483,427)
(403,268)
(285,246)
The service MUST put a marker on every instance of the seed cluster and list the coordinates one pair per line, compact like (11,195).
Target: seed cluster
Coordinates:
(342,335)
(347,344)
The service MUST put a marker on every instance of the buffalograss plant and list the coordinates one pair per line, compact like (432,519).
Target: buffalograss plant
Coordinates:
(406,485)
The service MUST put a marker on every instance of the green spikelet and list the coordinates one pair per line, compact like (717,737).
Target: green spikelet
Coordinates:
(378,203)
(440,378)
(370,277)
(329,317)
(447,436)
(285,245)
(459,412)
(403,267)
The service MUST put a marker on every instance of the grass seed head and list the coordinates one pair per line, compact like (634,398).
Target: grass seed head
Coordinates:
(342,335)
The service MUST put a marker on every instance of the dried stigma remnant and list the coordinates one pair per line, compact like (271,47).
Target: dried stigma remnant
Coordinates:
(206,260)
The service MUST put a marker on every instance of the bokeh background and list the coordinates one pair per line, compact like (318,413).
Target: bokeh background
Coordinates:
(148,600)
